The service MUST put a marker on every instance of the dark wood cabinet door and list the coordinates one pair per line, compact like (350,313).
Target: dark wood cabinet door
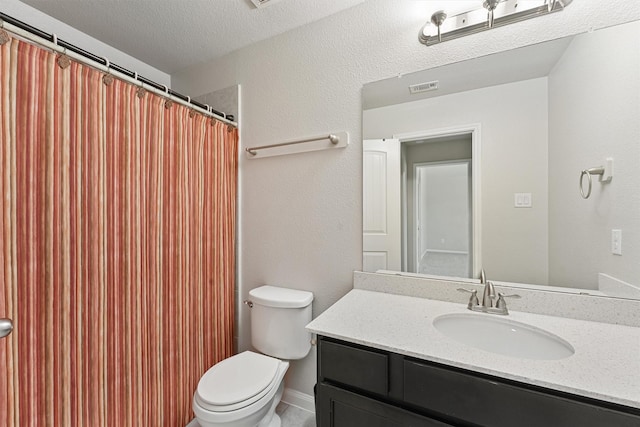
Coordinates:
(337,407)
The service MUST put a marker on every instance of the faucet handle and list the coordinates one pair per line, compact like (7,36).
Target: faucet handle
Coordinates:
(473,299)
(501,304)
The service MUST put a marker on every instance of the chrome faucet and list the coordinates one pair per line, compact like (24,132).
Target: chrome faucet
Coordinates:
(489,292)
(488,295)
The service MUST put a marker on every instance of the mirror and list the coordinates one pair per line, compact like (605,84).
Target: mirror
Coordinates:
(521,126)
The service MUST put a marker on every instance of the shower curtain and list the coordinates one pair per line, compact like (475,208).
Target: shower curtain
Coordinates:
(117,246)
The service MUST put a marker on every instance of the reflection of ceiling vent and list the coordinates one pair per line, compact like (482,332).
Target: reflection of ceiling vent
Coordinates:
(263,3)
(423,87)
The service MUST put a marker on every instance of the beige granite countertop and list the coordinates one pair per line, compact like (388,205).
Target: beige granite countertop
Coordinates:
(605,366)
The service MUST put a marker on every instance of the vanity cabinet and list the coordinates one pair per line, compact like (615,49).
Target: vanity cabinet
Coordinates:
(362,386)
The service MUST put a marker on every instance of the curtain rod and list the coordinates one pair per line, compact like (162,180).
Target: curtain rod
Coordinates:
(51,41)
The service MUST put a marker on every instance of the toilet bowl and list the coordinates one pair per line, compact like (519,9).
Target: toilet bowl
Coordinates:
(241,391)
(244,390)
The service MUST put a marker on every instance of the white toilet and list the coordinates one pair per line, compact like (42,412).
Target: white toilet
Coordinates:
(244,390)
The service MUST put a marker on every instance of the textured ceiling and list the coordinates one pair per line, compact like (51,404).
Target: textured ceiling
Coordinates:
(174,34)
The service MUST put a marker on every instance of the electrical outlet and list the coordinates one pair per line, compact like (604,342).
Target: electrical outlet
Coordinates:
(523,200)
(616,242)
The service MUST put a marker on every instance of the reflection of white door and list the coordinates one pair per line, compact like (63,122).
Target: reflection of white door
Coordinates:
(381,241)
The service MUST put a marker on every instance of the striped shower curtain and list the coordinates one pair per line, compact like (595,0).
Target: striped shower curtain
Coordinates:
(117,246)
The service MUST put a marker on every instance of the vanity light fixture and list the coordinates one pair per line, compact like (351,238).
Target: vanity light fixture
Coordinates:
(492,13)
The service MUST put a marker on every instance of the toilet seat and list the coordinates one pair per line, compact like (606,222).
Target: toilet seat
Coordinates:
(237,382)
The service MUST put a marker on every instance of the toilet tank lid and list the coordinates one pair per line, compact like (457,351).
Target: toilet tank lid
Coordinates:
(273,296)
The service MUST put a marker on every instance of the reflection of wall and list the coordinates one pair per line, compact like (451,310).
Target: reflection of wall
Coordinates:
(591,91)
(440,151)
(513,120)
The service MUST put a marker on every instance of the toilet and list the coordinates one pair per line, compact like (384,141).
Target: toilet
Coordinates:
(244,390)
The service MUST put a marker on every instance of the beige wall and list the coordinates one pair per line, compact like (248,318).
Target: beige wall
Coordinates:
(300,215)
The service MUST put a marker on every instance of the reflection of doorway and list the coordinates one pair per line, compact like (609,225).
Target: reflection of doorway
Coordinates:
(390,238)
(442,225)
(455,144)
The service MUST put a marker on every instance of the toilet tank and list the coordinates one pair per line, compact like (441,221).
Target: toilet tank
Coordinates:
(278,318)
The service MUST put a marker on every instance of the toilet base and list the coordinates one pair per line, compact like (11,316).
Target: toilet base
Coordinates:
(275,422)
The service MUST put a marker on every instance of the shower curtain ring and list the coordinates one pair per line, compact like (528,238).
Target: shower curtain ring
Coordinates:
(107,79)
(55,38)
(63,60)
(4,35)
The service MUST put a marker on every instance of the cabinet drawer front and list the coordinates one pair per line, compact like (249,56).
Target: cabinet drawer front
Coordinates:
(355,367)
(488,402)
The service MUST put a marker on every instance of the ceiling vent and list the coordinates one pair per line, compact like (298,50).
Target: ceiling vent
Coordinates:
(423,87)
(263,3)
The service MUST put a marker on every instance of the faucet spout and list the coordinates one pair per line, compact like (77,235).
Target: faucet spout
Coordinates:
(488,295)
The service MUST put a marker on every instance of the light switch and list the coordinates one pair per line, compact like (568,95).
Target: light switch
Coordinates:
(616,242)
(522,200)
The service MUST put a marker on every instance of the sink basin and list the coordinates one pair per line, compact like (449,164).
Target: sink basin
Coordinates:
(503,336)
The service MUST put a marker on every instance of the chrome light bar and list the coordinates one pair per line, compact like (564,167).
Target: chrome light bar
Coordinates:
(493,13)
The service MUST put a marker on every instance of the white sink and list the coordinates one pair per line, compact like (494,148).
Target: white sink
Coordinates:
(499,335)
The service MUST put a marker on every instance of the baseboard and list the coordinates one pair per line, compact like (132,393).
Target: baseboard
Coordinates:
(299,400)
